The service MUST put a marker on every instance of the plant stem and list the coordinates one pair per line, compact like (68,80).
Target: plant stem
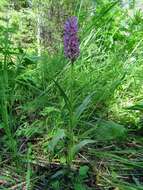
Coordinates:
(71,114)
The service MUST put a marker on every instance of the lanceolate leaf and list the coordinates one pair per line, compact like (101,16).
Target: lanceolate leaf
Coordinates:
(83,106)
(66,99)
(60,134)
(76,148)
(109,130)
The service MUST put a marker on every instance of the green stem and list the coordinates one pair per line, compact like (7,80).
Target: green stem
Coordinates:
(71,114)
(72,99)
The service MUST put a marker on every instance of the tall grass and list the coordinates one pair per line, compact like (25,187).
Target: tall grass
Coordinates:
(5,95)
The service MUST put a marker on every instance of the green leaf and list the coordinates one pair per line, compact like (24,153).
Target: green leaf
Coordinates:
(60,134)
(36,128)
(83,106)
(109,130)
(48,110)
(63,94)
(76,148)
(79,186)
(1,125)
(83,171)
(136,107)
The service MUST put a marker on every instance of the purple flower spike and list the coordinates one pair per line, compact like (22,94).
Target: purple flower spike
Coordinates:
(71,42)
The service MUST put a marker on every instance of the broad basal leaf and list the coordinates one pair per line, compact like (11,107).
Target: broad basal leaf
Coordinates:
(109,130)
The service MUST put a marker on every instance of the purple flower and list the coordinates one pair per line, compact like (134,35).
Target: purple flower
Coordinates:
(71,41)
